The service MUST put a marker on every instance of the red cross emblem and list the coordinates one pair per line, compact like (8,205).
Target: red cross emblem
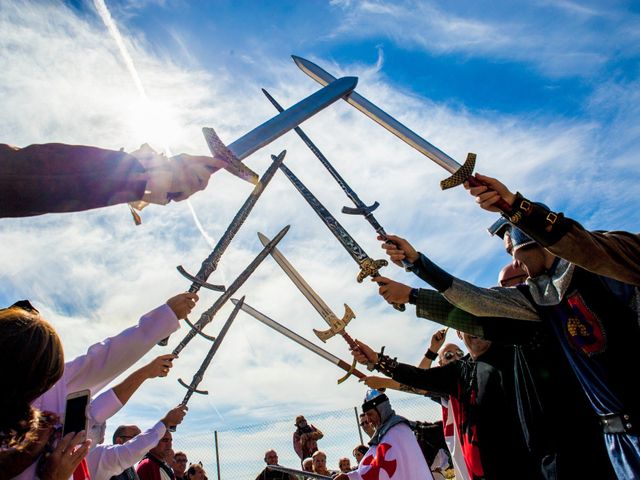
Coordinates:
(377,462)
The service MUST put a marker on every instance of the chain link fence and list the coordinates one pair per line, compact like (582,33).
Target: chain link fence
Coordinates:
(238,453)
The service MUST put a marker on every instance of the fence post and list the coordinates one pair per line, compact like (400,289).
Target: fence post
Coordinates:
(355,409)
(215,436)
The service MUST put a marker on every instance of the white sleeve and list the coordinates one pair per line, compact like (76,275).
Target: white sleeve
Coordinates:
(105,360)
(104,406)
(105,461)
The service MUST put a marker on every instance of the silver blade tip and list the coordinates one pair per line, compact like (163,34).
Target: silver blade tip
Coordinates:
(263,238)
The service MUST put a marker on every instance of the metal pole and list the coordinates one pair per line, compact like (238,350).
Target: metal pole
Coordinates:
(355,410)
(215,435)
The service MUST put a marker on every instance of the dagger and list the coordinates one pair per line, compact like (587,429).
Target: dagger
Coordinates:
(207,316)
(368,266)
(261,317)
(275,127)
(460,173)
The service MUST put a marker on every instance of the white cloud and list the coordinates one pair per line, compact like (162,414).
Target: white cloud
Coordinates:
(94,273)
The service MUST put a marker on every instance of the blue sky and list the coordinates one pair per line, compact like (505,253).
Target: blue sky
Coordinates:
(545,92)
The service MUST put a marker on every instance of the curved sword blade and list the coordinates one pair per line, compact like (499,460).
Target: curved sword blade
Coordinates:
(381,117)
(207,316)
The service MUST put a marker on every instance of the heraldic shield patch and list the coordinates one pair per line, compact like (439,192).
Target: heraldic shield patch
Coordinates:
(583,328)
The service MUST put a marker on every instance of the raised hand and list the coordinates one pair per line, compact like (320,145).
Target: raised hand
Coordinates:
(487,195)
(398,249)
(160,366)
(392,291)
(67,455)
(182,304)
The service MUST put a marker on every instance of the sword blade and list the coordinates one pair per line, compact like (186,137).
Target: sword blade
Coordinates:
(346,240)
(199,375)
(210,264)
(381,117)
(315,300)
(293,116)
(293,471)
(261,317)
(353,196)
(207,316)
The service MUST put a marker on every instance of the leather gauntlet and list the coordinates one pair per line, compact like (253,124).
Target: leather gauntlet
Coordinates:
(537,221)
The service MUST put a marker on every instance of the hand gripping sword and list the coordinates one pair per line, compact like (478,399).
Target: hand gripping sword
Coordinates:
(336,325)
(261,317)
(368,266)
(210,264)
(207,316)
(460,173)
(275,127)
(361,207)
(197,378)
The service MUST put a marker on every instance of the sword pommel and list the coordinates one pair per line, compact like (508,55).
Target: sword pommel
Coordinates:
(220,151)
(337,326)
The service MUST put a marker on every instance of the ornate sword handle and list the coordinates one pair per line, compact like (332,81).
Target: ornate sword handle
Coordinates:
(370,268)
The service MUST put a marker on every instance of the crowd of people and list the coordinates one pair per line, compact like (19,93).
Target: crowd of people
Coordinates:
(544,392)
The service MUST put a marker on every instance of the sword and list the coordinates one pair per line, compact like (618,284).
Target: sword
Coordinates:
(336,325)
(261,317)
(197,378)
(460,173)
(368,266)
(210,264)
(207,316)
(361,207)
(275,127)
(293,471)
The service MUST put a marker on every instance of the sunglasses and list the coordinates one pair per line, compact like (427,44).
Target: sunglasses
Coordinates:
(449,355)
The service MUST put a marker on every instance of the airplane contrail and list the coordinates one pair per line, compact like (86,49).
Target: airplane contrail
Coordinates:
(106,17)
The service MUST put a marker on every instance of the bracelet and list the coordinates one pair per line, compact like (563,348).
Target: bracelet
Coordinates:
(431,355)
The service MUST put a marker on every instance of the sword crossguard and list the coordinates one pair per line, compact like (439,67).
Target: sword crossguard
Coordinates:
(349,373)
(200,283)
(360,210)
(370,268)
(198,331)
(337,325)
(192,389)
(459,177)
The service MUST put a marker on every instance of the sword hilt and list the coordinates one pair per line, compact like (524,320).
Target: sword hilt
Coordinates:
(337,326)
(198,331)
(192,389)
(366,210)
(197,283)
(465,174)
(350,372)
(371,268)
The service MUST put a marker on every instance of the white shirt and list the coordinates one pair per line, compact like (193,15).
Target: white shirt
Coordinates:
(105,461)
(104,361)
(396,457)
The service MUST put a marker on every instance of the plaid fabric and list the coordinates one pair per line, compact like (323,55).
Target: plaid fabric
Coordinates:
(433,306)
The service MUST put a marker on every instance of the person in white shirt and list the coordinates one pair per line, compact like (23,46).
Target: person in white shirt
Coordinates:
(130,445)
(105,360)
